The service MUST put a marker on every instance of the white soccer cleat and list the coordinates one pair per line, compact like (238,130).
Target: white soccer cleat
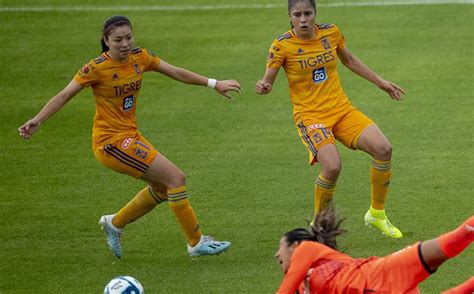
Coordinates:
(113,234)
(208,246)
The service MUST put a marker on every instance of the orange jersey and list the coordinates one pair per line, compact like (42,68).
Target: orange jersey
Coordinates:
(311,70)
(316,268)
(116,87)
(316,265)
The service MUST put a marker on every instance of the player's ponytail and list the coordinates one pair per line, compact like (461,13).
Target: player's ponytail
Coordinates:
(324,229)
(110,24)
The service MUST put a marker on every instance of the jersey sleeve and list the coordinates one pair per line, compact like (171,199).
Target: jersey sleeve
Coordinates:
(341,41)
(304,256)
(276,56)
(150,60)
(87,75)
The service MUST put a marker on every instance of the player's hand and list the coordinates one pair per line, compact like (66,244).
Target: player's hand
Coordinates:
(394,90)
(223,87)
(263,88)
(29,128)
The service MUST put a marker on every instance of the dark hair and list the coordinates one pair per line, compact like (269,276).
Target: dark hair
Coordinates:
(291,3)
(324,229)
(111,23)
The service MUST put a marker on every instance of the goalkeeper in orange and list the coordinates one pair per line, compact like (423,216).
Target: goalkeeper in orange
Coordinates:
(312,264)
(116,79)
(321,110)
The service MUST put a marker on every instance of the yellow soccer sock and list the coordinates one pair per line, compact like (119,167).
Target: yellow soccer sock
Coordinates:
(184,213)
(140,205)
(380,174)
(323,192)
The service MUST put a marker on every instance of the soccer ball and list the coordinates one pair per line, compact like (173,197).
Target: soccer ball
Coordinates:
(124,285)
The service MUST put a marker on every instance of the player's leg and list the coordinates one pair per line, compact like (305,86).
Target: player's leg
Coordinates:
(436,251)
(373,141)
(330,163)
(131,156)
(399,272)
(163,171)
(321,146)
(403,270)
(143,202)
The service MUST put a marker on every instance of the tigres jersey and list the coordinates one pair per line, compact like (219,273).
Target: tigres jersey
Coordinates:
(311,70)
(116,87)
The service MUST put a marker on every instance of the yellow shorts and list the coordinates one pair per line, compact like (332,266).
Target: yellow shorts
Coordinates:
(127,155)
(315,133)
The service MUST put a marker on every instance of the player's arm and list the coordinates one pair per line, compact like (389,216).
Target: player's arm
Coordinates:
(264,86)
(188,77)
(353,63)
(53,106)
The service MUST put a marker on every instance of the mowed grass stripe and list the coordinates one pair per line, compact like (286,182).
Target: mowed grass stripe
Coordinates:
(222,6)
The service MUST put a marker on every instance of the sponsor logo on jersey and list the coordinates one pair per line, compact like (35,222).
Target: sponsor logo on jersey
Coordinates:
(315,126)
(300,51)
(319,75)
(86,69)
(115,77)
(128,102)
(326,43)
(270,56)
(141,153)
(126,143)
(137,69)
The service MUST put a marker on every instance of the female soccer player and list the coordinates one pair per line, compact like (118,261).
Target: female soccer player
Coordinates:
(321,110)
(312,264)
(116,79)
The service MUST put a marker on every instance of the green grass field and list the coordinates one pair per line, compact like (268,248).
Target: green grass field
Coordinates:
(247,171)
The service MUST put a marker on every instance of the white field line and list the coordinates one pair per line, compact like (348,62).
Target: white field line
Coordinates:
(218,6)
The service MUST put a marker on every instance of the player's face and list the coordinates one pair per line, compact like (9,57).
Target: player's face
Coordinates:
(302,16)
(120,42)
(284,253)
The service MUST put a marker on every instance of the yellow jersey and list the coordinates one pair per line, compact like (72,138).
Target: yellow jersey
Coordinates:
(116,87)
(311,70)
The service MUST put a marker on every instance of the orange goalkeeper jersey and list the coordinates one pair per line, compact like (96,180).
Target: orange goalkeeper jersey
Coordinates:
(311,70)
(316,268)
(116,87)
(316,265)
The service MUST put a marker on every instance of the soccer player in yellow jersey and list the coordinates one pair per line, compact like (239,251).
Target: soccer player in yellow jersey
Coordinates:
(116,79)
(321,110)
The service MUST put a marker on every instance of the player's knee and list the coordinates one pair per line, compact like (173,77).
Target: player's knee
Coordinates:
(332,170)
(384,152)
(178,180)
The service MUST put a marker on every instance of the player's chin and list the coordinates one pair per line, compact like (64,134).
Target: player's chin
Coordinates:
(125,53)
